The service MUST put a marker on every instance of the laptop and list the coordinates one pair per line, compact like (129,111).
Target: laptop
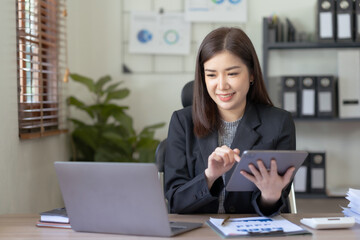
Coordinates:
(118,198)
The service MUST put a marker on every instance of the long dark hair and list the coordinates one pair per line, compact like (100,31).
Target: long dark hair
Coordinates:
(206,117)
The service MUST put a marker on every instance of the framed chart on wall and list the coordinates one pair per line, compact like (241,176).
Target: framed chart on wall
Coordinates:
(216,10)
(159,33)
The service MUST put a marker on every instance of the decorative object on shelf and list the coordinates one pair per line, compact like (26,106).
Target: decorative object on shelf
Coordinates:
(273,29)
(109,136)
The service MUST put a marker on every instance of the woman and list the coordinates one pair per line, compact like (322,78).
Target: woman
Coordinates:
(231,112)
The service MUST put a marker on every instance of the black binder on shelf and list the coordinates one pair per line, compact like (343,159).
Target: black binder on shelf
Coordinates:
(274,29)
(344,21)
(290,95)
(326,97)
(326,20)
(290,31)
(302,177)
(357,21)
(317,172)
(307,96)
(272,32)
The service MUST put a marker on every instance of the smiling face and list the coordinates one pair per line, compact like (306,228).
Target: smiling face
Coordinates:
(227,81)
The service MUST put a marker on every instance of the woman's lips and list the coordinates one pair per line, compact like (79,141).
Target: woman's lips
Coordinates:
(225,97)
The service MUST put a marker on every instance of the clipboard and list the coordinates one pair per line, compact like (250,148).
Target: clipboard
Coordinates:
(284,160)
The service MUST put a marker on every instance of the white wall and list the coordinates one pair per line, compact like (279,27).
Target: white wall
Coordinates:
(95,37)
(27,179)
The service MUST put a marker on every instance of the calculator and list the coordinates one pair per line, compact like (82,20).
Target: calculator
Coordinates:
(329,222)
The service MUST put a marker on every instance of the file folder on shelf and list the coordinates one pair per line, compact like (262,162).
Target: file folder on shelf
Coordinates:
(290,31)
(326,96)
(344,21)
(302,177)
(349,83)
(308,96)
(317,172)
(290,99)
(326,20)
(357,21)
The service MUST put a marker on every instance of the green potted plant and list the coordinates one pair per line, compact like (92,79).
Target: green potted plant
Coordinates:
(109,136)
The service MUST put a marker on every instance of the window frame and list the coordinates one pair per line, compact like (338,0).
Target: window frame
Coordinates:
(39,84)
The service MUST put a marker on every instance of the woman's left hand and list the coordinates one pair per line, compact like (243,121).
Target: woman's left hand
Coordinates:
(269,182)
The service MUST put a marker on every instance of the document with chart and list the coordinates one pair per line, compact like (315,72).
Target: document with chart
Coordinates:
(255,226)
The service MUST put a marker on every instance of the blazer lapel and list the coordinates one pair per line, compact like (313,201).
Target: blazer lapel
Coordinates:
(208,145)
(245,136)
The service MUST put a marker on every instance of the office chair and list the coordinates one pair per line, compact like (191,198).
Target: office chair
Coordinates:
(186,100)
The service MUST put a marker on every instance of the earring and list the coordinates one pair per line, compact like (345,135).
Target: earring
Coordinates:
(251,83)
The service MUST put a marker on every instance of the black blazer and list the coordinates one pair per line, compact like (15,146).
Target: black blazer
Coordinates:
(262,127)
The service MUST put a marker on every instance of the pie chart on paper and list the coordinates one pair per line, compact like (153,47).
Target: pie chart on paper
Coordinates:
(144,36)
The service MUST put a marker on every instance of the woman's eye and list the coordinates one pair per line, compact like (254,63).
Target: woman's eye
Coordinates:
(210,75)
(233,74)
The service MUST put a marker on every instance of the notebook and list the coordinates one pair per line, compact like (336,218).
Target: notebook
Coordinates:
(119,198)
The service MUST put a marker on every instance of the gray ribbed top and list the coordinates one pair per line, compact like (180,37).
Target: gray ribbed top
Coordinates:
(226,137)
(227,132)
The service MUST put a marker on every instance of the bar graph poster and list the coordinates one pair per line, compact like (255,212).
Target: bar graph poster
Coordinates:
(216,10)
(154,33)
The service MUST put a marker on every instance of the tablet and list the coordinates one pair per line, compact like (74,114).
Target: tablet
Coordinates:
(284,160)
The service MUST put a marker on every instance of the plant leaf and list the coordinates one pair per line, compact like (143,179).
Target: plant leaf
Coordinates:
(112,87)
(75,102)
(125,120)
(106,155)
(80,105)
(122,143)
(100,83)
(88,134)
(148,132)
(146,148)
(118,94)
(88,82)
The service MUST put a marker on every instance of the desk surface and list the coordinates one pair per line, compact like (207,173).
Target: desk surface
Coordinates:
(16,226)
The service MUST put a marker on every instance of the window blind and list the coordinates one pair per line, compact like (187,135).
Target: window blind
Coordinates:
(41,45)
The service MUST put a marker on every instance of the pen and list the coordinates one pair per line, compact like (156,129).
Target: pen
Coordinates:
(225,220)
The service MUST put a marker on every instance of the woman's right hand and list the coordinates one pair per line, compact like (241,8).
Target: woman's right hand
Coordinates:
(219,162)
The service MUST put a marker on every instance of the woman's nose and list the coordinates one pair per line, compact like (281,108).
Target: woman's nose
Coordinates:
(222,84)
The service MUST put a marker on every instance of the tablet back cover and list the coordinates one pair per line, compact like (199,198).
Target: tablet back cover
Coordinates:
(284,160)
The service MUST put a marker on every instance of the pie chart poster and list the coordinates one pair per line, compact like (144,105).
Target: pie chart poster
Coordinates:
(154,33)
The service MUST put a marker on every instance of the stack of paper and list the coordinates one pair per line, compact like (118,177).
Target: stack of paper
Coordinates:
(353,209)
